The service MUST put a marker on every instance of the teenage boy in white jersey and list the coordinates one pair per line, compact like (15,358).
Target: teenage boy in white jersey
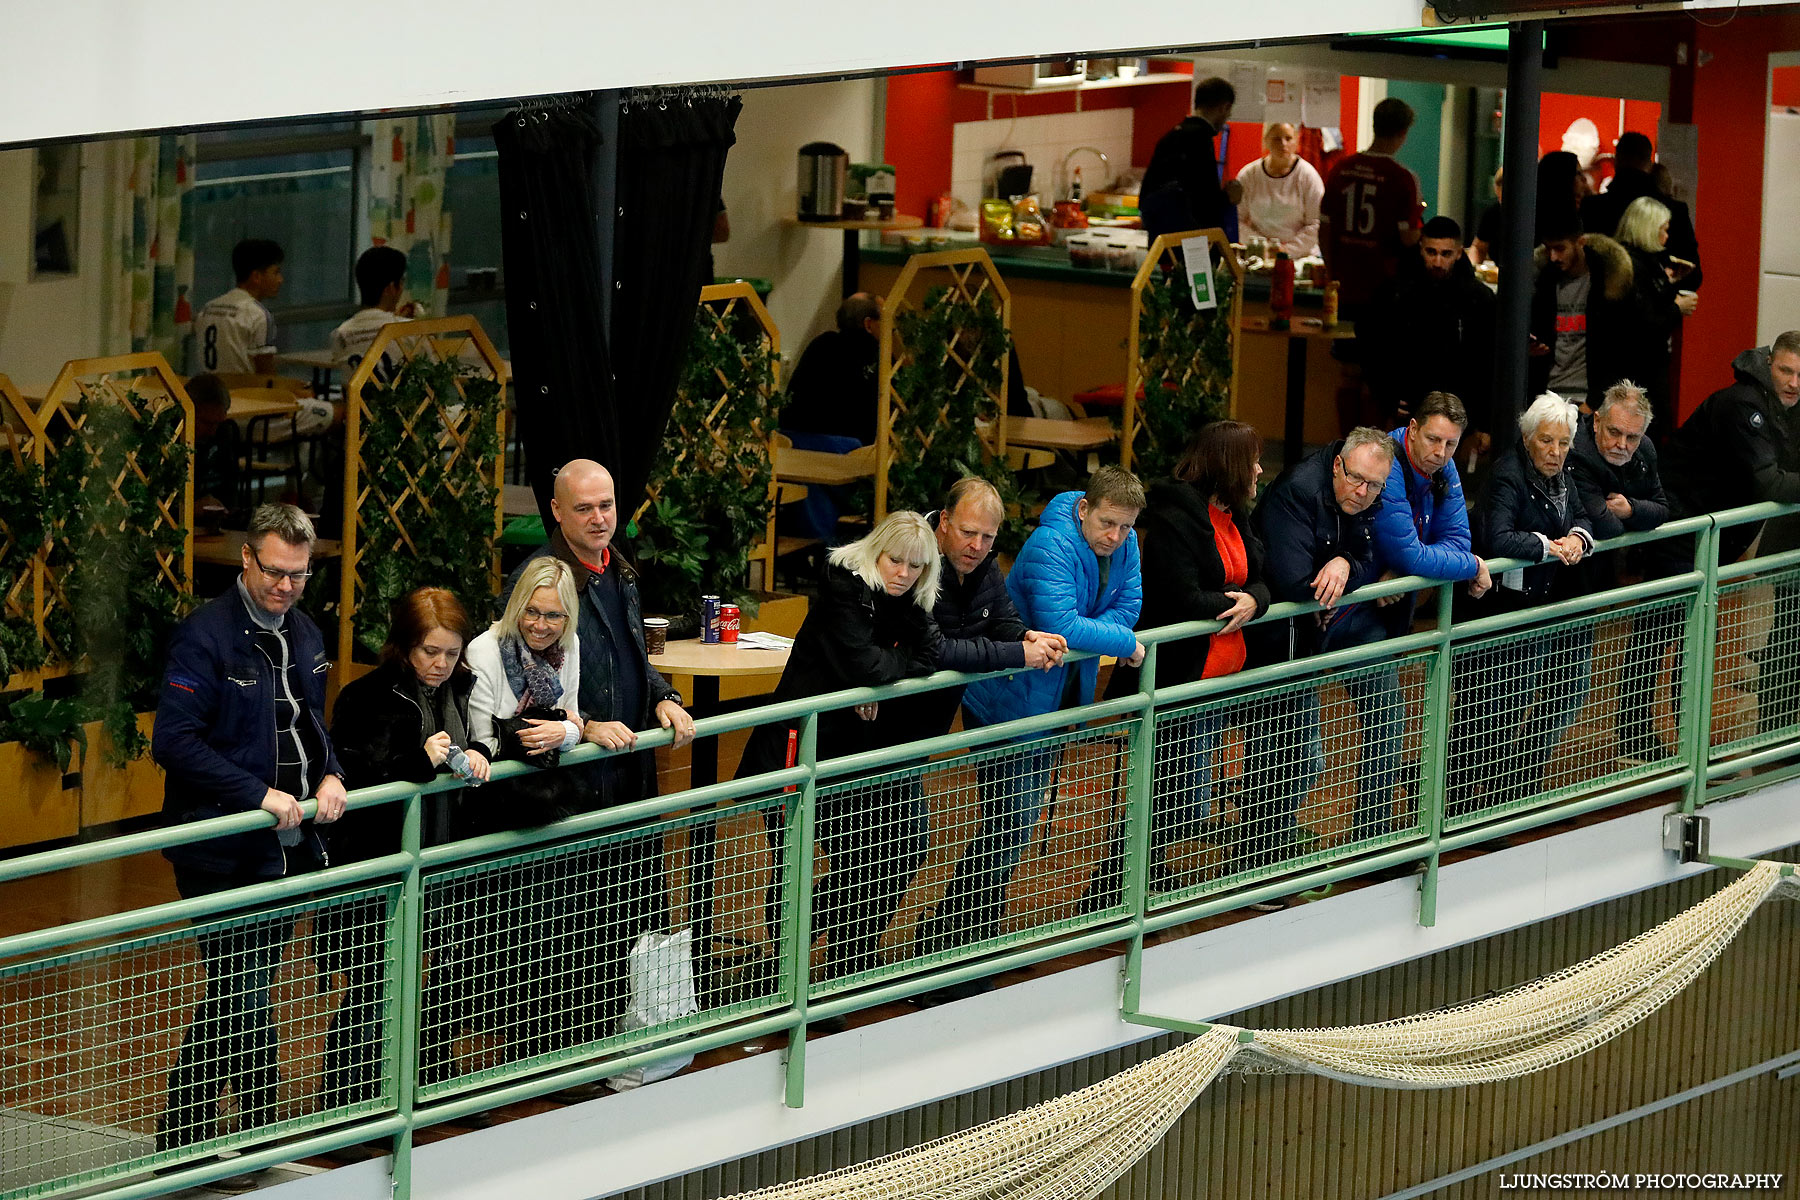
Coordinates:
(381,280)
(234,334)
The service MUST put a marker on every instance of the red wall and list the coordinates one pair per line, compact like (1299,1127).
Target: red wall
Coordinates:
(1730,105)
(1787,87)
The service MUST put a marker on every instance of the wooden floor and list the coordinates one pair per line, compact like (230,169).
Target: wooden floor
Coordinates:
(138,1028)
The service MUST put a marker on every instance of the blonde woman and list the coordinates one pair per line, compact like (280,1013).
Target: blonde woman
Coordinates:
(1281,194)
(530,659)
(1660,304)
(870,625)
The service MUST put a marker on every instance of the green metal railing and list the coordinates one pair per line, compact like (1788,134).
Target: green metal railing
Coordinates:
(438,982)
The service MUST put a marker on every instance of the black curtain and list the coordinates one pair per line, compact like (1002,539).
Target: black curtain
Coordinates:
(671,164)
(562,371)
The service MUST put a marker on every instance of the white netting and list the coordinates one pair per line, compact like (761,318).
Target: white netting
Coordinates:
(1076,1145)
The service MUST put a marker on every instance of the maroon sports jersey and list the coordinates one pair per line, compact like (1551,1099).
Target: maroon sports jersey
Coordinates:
(1369,201)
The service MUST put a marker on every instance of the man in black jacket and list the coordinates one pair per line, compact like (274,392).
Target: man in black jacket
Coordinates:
(1741,446)
(1316,524)
(1614,466)
(982,632)
(599,903)
(1181,188)
(1582,310)
(1633,161)
(1431,329)
(240,726)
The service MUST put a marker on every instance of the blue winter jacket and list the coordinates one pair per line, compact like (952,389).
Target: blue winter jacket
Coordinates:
(1053,584)
(215,730)
(1422,524)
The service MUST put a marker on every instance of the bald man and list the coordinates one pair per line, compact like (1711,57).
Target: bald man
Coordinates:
(601,903)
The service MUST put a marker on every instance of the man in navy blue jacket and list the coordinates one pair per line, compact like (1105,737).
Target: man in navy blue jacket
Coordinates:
(240,726)
(1422,521)
(1316,524)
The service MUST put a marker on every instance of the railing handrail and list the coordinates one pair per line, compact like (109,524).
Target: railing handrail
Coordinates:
(192,832)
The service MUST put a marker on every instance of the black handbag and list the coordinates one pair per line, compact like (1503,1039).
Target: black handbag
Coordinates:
(544,795)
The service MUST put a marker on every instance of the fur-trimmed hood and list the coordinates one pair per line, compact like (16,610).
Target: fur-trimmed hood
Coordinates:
(1607,259)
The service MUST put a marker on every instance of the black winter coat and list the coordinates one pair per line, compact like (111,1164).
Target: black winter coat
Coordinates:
(1302,527)
(1516,507)
(1654,321)
(1612,316)
(853,636)
(1739,447)
(1428,335)
(379,731)
(1184,577)
(1638,481)
(982,631)
(1602,212)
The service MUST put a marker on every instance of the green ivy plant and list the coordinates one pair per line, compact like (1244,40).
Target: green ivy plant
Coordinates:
(404,457)
(955,352)
(122,608)
(710,484)
(23,528)
(1186,355)
(50,729)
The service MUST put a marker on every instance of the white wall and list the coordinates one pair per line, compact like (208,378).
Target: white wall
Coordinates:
(805,265)
(46,322)
(83,67)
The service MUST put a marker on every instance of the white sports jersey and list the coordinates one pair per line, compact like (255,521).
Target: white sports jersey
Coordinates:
(231,331)
(351,340)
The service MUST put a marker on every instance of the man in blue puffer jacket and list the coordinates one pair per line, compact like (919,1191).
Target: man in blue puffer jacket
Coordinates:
(1422,521)
(1078,577)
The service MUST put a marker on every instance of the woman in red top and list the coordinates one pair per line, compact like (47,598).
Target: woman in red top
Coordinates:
(1201,562)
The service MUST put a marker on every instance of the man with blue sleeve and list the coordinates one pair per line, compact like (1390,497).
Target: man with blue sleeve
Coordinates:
(1422,522)
(1076,577)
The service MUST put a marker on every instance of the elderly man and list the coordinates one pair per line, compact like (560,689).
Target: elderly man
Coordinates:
(603,903)
(1317,523)
(240,726)
(1077,578)
(1422,522)
(982,632)
(1614,466)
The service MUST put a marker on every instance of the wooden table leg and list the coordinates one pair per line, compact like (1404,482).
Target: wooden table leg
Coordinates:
(852,260)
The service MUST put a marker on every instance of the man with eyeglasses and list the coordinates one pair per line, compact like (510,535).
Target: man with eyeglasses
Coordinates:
(1316,521)
(240,726)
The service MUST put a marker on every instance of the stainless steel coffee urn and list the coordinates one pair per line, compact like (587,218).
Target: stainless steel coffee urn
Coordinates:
(821,191)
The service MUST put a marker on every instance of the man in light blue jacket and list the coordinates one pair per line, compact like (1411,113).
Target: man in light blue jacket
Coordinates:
(1078,577)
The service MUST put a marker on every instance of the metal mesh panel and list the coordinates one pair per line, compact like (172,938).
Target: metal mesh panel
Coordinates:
(954,858)
(1756,663)
(1255,785)
(1546,712)
(168,1047)
(528,957)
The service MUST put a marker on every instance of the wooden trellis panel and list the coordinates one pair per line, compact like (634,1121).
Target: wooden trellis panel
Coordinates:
(971,277)
(703,444)
(21,451)
(142,385)
(1141,361)
(439,428)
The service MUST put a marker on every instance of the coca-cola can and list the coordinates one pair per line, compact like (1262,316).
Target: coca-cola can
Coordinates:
(728,622)
(709,619)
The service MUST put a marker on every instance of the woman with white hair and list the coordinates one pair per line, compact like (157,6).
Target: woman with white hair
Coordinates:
(1281,194)
(871,624)
(1532,511)
(1659,302)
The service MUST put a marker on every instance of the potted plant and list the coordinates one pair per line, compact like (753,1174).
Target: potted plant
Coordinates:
(39,740)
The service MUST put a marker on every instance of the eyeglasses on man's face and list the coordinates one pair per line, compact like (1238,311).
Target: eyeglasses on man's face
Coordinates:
(297,578)
(1357,482)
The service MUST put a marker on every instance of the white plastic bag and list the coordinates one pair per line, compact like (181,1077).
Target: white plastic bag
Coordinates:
(661,966)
